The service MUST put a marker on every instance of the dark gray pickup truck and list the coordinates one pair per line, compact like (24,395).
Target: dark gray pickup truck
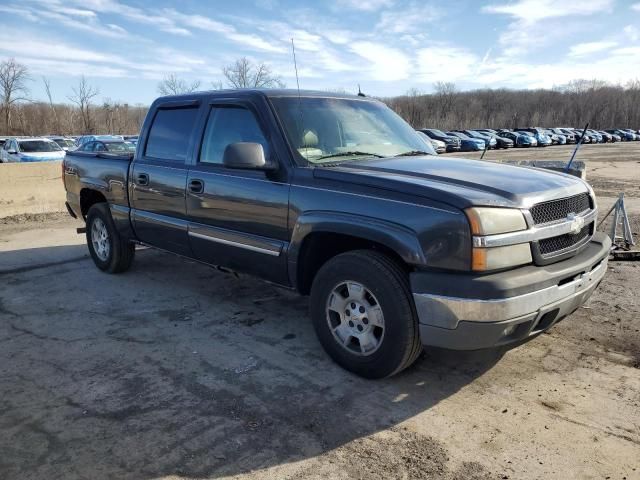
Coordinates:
(337,197)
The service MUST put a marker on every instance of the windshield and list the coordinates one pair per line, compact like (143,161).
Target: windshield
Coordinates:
(64,143)
(340,130)
(120,147)
(437,132)
(459,135)
(36,146)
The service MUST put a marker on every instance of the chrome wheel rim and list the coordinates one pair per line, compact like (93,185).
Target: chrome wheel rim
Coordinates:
(100,239)
(355,318)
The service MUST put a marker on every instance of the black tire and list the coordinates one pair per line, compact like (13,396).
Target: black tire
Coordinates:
(120,251)
(400,344)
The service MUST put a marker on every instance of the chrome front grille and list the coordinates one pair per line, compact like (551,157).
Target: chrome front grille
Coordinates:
(555,210)
(560,243)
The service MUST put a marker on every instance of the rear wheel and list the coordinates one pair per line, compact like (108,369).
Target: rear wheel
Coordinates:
(109,251)
(363,314)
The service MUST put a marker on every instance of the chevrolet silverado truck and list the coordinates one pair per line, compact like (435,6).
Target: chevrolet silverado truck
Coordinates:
(338,198)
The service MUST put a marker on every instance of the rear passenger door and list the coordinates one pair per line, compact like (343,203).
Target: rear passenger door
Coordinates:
(238,218)
(159,175)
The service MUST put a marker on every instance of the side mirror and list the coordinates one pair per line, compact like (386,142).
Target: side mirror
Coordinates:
(12,151)
(246,155)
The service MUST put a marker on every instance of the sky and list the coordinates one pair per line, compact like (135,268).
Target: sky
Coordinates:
(125,47)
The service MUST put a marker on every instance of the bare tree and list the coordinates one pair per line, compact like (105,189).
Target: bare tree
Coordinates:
(173,85)
(52,107)
(81,97)
(13,87)
(244,74)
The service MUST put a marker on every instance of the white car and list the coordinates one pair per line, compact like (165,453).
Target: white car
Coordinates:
(34,149)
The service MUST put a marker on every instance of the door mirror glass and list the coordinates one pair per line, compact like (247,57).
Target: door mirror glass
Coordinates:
(245,155)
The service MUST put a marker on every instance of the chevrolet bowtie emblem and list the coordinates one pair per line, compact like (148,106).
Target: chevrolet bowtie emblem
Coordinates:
(576,223)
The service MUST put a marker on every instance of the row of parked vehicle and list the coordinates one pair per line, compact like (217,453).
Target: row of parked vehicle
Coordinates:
(478,139)
(53,147)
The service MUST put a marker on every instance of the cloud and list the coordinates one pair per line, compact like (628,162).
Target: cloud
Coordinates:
(48,56)
(416,17)
(527,29)
(587,48)
(383,63)
(531,11)
(636,7)
(632,32)
(446,63)
(363,5)
(228,31)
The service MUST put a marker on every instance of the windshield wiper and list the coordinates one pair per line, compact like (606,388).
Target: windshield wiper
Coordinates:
(349,154)
(412,153)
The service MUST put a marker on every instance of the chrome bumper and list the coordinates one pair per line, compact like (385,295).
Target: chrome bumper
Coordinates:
(473,310)
(468,324)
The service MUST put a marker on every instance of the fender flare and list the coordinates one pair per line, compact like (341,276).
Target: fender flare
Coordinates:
(400,239)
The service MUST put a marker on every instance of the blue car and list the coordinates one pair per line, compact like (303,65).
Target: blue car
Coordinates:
(624,135)
(468,144)
(493,143)
(542,138)
(519,139)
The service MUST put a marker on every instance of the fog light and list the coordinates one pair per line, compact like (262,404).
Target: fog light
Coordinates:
(509,330)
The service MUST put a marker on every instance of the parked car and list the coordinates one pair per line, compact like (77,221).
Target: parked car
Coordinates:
(488,139)
(110,146)
(632,132)
(606,137)
(614,136)
(519,139)
(452,142)
(131,138)
(556,138)
(90,138)
(595,136)
(624,135)
(438,145)
(30,149)
(502,141)
(396,249)
(542,138)
(64,142)
(569,136)
(467,143)
(577,134)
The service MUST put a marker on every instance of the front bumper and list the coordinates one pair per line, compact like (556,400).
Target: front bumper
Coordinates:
(469,312)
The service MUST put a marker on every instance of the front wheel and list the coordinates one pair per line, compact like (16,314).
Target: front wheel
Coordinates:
(363,314)
(109,251)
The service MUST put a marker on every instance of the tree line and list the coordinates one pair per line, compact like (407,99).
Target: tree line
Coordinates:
(601,104)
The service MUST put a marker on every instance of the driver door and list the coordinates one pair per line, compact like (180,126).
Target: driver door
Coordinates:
(237,218)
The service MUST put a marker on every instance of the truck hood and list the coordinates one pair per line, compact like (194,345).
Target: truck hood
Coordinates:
(457,181)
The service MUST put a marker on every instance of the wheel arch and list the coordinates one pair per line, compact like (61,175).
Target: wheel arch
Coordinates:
(319,236)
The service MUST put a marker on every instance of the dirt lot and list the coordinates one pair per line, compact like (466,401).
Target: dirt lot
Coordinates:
(176,370)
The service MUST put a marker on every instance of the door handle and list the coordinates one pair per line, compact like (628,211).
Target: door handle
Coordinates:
(196,186)
(142,179)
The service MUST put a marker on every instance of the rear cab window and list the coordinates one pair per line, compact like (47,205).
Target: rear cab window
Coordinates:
(170,134)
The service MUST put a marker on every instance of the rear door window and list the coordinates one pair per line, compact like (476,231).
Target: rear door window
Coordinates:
(170,134)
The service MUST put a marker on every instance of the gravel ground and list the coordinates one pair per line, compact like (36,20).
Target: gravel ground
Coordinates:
(176,370)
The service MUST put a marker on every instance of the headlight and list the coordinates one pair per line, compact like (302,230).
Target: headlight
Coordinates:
(492,221)
(484,259)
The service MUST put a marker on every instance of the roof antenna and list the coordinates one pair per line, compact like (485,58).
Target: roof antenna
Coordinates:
(360,94)
(295,64)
